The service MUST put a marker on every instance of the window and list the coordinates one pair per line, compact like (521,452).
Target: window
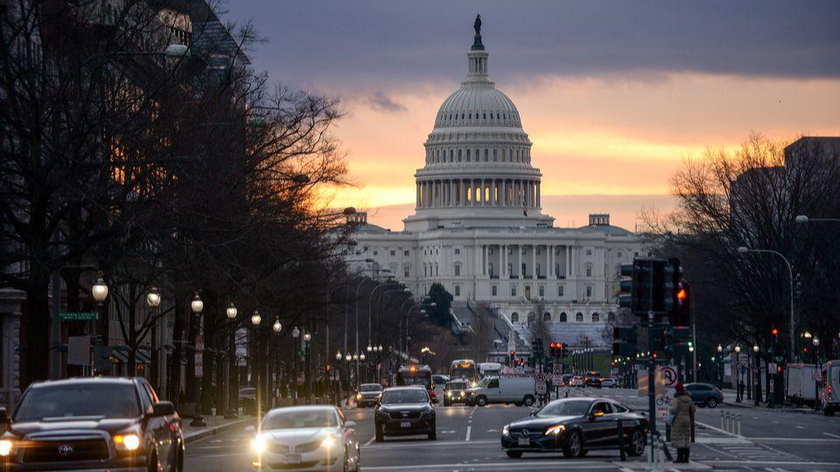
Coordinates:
(375,253)
(393,252)
(603,407)
(564,317)
(596,318)
(619,254)
(542,290)
(547,317)
(589,270)
(494,290)
(589,291)
(538,252)
(493,383)
(618,408)
(514,317)
(560,290)
(537,272)
(457,290)
(407,270)
(437,269)
(513,290)
(457,270)
(579,317)
(490,268)
(589,252)
(510,268)
(490,251)
(425,270)
(406,253)
(523,269)
(457,251)
(532,317)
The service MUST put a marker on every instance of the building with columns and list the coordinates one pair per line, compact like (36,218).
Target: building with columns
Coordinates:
(478,226)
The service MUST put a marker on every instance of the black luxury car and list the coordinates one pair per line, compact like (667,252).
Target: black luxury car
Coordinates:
(92,424)
(405,411)
(575,426)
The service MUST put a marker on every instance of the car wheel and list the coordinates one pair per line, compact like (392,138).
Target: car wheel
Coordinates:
(711,402)
(528,400)
(638,441)
(514,454)
(573,448)
(481,401)
(380,433)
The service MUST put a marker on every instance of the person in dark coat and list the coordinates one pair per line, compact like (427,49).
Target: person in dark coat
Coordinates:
(681,429)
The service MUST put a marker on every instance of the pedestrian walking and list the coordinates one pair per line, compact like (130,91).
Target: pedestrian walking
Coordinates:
(681,419)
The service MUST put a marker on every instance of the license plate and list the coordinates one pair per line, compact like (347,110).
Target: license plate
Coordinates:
(405,424)
(291,459)
(524,441)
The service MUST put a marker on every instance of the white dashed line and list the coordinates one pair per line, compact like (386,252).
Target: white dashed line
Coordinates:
(832,435)
(469,430)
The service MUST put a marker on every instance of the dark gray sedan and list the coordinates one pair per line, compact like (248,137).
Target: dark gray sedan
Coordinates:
(704,395)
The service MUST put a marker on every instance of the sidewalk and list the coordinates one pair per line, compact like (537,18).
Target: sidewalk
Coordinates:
(730,396)
(215,424)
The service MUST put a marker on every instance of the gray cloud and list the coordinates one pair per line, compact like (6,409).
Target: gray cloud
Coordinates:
(380,101)
(383,43)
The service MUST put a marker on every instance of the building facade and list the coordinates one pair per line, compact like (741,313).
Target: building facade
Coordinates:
(478,226)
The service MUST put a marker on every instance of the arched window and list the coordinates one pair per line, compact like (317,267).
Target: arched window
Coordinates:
(514,317)
(393,267)
(589,270)
(579,317)
(596,318)
(564,317)
(610,316)
(547,317)
(531,317)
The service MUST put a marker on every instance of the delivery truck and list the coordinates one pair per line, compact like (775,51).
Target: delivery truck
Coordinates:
(801,383)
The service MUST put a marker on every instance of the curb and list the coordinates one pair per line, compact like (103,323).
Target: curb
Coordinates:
(803,411)
(195,436)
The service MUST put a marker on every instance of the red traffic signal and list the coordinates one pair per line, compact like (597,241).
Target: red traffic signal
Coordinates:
(774,332)
(328,367)
(512,352)
(681,294)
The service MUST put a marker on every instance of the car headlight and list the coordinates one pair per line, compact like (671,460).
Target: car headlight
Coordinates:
(474,384)
(6,446)
(555,430)
(127,442)
(258,444)
(506,431)
(449,394)
(358,396)
(328,442)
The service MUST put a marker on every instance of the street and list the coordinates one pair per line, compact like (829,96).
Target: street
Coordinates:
(468,439)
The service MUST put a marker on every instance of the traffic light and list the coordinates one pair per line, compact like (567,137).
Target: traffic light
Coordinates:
(681,315)
(561,350)
(635,286)
(624,341)
(672,278)
(552,349)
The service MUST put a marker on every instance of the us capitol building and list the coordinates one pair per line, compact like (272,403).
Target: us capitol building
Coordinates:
(479,230)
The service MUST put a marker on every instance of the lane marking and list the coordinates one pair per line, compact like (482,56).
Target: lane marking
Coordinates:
(499,465)
(370,441)
(799,427)
(832,435)
(431,444)
(469,429)
(718,430)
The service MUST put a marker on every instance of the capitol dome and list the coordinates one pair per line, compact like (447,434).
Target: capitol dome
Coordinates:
(478,168)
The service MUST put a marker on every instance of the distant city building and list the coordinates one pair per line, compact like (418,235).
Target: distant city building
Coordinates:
(479,229)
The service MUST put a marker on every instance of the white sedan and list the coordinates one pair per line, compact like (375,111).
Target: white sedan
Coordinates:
(306,438)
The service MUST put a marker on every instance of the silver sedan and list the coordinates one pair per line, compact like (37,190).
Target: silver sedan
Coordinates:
(306,438)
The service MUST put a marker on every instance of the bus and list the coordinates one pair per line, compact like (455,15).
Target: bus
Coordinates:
(419,375)
(489,369)
(463,369)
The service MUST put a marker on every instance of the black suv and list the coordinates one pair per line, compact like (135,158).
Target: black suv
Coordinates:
(92,424)
(405,411)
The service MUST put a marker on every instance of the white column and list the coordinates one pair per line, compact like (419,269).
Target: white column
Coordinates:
(539,198)
(472,192)
(463,192)
(534,261)
(485,261)
(568,262)
(451,193)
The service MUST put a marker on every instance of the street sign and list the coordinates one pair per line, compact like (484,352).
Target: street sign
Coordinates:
(77,315)
(772,368)
(664,400)
(78,350)
(541,386)
(669,375)
(558,369)
(556,380)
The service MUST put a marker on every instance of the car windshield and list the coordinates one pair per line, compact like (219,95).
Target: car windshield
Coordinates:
(457,386)
(110,400)
(565,408)
(371,388)
(485,382)
(300,419)
(390,397)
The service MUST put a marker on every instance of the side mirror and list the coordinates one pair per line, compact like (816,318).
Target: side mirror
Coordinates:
(595,414)
(162,409)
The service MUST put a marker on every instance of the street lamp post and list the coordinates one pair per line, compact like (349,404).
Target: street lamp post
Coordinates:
(197,306)
(307,337)
(295,337)
(757,357)
(230,366)
(738,374)
(100,294)
(817,369)
(745,250)
(153,300)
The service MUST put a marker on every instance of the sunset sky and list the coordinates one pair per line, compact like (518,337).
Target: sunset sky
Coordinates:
(614,94)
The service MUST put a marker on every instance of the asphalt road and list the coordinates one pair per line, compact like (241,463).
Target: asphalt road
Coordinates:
(468,440)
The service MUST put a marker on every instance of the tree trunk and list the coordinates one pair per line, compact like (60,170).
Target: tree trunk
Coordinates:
(37,324)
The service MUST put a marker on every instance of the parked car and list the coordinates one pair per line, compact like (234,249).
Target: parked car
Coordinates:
(609,382)
(705,395)
(313,438)
(368,394)
(92,424)
(577,381)
(576,426)
(516,390)
(455,392)
(405,411)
